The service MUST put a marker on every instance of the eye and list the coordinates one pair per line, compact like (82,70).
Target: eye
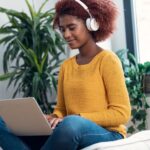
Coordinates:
(71,28)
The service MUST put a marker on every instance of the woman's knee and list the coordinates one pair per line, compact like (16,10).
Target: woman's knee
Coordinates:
(70,125)
(73,121)
(72,118)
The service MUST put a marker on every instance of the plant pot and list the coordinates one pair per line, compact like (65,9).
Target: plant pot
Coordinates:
(146,83)
(148,111)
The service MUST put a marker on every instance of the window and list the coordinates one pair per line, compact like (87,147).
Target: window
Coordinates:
(137,21)
(142,11)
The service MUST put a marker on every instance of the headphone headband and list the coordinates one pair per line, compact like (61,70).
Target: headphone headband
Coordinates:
(84,6)
(91,22)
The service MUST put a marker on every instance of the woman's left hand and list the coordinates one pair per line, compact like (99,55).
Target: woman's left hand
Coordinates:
(54,122)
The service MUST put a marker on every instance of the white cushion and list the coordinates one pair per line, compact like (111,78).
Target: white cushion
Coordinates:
(138,141)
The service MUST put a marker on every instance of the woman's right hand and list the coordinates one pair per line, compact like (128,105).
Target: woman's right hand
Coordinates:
(53,120)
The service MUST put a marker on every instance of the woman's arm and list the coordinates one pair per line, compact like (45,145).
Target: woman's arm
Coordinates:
(60,110)
(118,110)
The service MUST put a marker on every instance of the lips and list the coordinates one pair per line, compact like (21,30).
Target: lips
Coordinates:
(70,41)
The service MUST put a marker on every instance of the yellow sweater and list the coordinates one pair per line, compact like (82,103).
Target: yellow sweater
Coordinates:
(95,91)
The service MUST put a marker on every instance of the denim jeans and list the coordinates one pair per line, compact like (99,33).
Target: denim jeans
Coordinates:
(73,133)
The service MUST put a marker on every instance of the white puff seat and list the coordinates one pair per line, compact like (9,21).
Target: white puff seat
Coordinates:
(138,141)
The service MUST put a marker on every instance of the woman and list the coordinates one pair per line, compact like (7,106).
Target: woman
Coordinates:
(93,103)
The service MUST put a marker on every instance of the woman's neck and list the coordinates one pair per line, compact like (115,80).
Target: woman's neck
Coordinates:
(87,53)
(89,50)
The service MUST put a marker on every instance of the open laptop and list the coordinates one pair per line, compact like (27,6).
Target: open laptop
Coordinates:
(24,117)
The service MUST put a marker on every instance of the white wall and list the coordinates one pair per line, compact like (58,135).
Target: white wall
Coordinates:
(20,6)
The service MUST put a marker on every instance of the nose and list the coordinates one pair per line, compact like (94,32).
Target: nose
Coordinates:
(66,34)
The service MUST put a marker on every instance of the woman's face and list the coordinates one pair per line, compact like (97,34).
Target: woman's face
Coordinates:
(74,31)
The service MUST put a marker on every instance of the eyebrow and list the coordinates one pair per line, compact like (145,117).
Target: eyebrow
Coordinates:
(68,25)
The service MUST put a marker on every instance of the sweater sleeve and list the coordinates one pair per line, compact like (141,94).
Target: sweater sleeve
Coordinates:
(60,109)
(118,110)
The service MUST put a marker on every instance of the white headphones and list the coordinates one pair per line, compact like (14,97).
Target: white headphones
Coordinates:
(91,22)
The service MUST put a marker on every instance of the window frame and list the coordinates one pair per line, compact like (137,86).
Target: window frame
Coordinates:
(131,28)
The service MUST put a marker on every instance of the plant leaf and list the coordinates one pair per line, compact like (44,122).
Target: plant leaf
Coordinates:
(31,10)
(6,76)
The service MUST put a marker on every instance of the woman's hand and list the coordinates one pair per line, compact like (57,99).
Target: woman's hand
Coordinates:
(53,120)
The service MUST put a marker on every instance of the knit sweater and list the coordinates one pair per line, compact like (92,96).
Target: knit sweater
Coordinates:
(95,91)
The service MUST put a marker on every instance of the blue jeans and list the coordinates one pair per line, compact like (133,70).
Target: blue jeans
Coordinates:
(73,133)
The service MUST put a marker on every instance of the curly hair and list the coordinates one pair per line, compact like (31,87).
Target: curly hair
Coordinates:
(104,11)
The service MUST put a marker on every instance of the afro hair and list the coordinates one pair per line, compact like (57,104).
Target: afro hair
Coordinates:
(104,11)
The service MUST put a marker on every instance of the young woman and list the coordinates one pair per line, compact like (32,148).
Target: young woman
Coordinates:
(93,103)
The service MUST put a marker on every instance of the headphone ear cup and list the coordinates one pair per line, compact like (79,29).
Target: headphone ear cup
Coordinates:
(88,24)
(92,24)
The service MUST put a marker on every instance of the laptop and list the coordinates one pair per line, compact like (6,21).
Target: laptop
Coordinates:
(24,117)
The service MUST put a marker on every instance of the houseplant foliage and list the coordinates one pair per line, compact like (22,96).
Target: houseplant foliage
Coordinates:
(32,53)
(134,73)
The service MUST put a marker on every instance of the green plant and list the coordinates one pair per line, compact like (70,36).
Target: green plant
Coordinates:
(32,53)
(146,67)
(134,72)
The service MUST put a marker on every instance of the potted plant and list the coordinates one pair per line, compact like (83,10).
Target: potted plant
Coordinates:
(146,77)
(133,72)
(32,53)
